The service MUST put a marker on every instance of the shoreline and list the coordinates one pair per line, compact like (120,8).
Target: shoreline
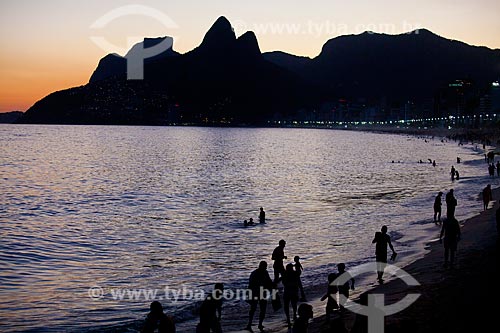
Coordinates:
(450,299)
(428,271)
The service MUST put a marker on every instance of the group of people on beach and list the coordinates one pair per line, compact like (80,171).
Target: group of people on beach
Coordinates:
(290,275)
(262,288)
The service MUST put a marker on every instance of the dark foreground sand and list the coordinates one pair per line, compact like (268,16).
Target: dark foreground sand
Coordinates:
(463,299)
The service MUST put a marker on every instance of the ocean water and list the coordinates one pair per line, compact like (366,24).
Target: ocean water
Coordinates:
(132,208)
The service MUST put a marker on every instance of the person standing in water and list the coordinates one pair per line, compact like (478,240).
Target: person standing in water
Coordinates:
(278,256)
(437,208)
(262,215)
(381,241)
(299,268)
(452,173)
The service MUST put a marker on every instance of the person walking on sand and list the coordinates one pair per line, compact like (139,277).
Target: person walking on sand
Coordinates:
(210,311)
(437,207)
(278,256)
(331,294)
(290,292)
(345,287)
(451,204)
(487,196)
(262,215)
(259,282)
(452,173)
(305,313)
(381,241)
(451,232)
(157,321)
(491,170)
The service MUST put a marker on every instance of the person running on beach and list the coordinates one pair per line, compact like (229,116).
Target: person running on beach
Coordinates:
(331,291)
(157,321)
(382,239)
(345,287)
(437,208)
(487,196)
(452,173)
(210,311)
(259,282)
(290,292)
(451,232)
(278,256)
(451,204)
(262,215)
(305,313)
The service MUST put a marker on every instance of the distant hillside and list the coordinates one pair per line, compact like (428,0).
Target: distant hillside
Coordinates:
(227,80)
(405,66)
(10,117)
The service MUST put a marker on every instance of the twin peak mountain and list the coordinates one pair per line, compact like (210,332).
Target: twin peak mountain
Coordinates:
(228,80)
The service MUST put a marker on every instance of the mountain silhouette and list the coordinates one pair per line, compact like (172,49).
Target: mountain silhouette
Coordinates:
(406,66)
(227,80)
(114,65)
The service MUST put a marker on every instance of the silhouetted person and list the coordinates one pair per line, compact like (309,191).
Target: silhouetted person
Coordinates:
(459,160)
(345,287)
(498,168)
(245,223)
(487,196)
(290,292)
(452,172)
(210,311)
(157,321)
(451,232)
(299,268)
(331,294)
(451,204)
(437,207)
(278,256)
(457,175)
(259,283)
(491,170)
(382,240)
(434,163)
(262,215)
(305,313)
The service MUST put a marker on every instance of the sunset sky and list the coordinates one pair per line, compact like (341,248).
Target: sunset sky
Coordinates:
(46,45)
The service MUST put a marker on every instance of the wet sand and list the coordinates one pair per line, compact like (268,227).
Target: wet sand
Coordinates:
(462,299)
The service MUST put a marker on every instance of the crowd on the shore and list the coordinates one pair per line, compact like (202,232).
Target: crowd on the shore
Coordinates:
(292,292)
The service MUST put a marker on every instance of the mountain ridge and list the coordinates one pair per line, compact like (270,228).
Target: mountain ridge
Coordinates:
(227,79)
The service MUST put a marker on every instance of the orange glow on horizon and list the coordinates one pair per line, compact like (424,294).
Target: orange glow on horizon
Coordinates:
(54,51)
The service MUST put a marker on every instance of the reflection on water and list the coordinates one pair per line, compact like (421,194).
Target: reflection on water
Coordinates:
(149,207)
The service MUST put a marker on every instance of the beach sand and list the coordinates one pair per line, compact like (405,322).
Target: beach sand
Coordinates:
(461,299)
